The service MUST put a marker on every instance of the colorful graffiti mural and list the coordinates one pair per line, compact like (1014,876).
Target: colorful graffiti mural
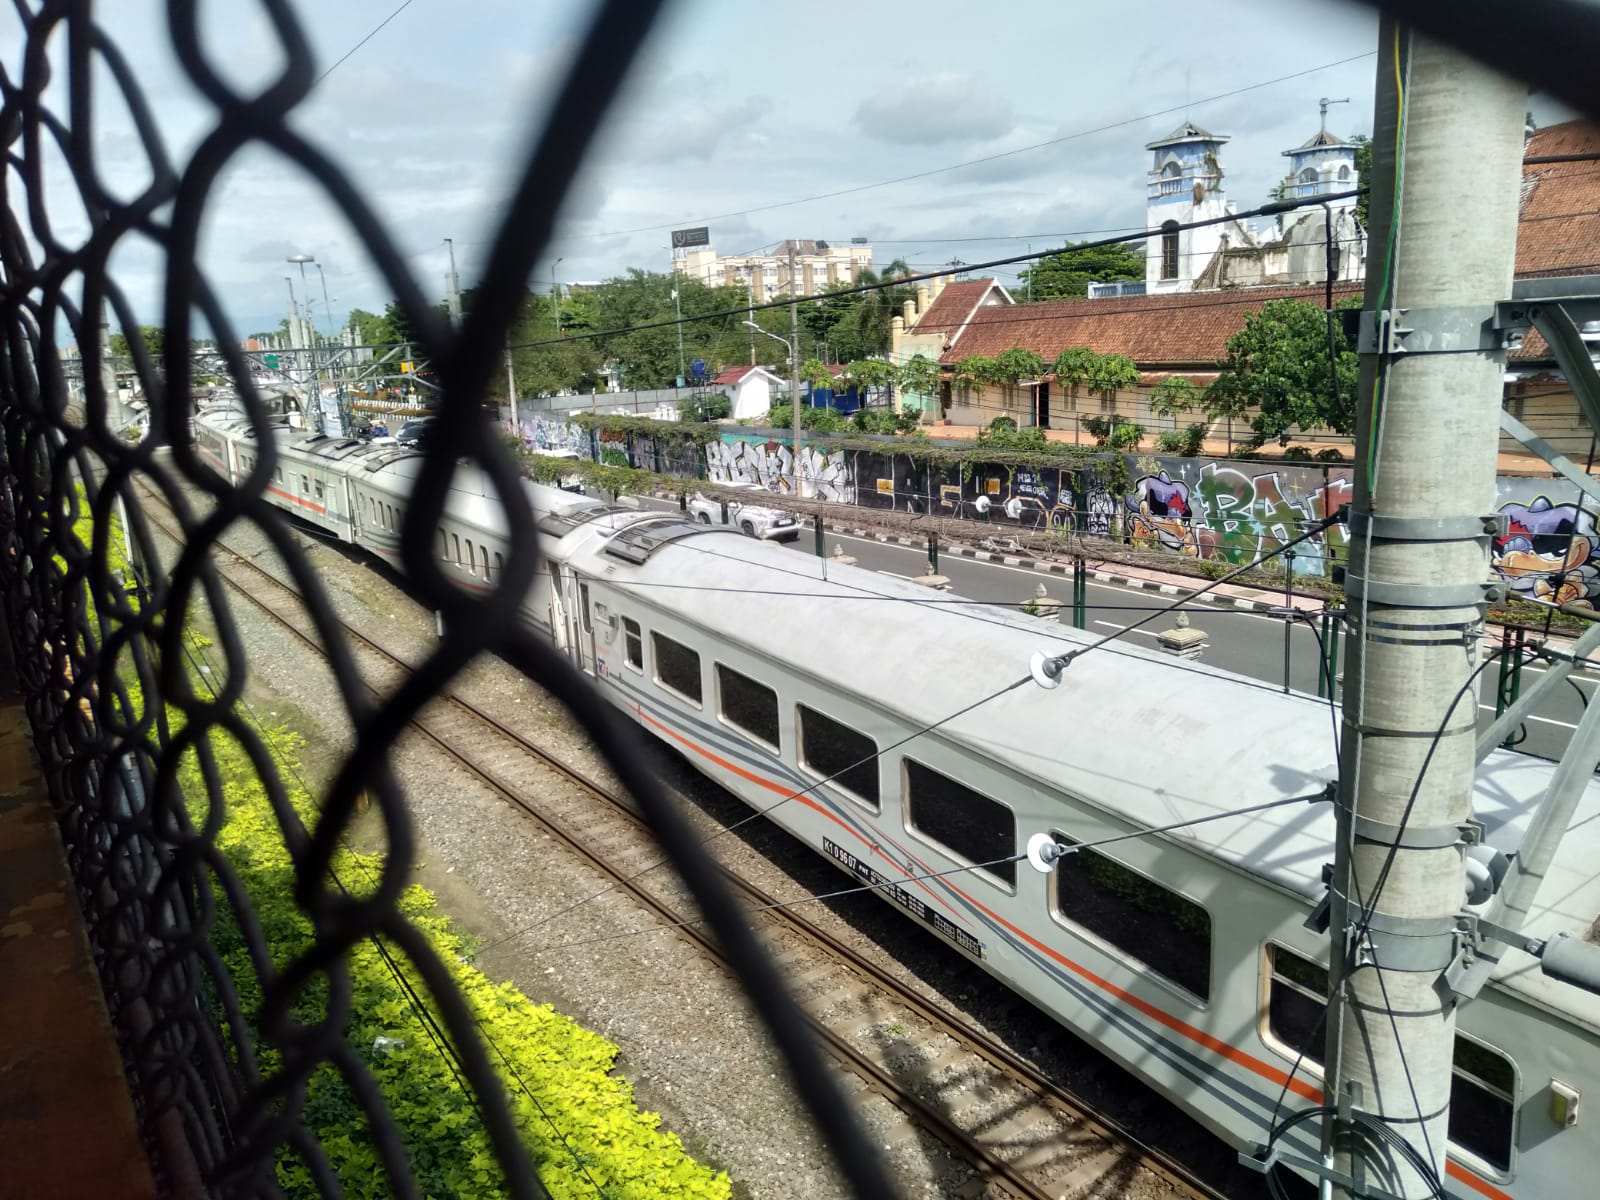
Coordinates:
(1549,552)
(1229,513)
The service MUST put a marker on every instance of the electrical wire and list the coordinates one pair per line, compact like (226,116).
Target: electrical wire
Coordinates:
(372,34)
(988,158)
(1273,208)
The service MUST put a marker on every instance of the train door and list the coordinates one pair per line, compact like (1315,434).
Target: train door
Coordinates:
(583,623)
(560,629)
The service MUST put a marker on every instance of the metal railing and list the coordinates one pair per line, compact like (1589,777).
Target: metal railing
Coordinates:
(221,1092)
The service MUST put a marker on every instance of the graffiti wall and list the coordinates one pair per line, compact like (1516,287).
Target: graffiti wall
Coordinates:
(1235,512)
(738,458)
(1550,552)
(555,433)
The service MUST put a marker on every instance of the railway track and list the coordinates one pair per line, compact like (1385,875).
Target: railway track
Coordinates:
(1023,1134)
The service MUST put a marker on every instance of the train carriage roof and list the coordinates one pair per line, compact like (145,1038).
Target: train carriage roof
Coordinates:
(1151,740)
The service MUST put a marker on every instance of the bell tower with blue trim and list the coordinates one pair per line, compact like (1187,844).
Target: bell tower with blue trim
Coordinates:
(1185,185)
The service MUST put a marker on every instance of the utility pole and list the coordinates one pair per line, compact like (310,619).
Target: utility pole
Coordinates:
(452,287)
(511,390)
(794,371)
(1416,607)
(750,314)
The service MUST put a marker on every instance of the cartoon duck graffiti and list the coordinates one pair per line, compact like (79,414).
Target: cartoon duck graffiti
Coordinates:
(1549,553)
(1159,509)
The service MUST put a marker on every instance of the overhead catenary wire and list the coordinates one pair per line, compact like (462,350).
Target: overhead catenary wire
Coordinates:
(1270,209)
(988,158)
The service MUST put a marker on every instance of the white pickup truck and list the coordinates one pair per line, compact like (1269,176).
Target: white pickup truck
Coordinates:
(753,520)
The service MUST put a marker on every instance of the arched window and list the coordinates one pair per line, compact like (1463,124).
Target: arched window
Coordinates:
(1344,174)
(1172,170)
(1309,175)
(1169,250)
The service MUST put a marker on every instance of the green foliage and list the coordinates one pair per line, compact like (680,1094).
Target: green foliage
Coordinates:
(1172,396)
(867,374)
(707,406)
(884,420)
(1015,365)
(563,1092)
(1074,364)
(1277,365)
(686,431)
(1099,428)
(1110,372)
(919,376)
(1186,442)
(854,326)
(153,336)
(1069,272)
(820,418)
(974,371)
(1363,145)
(371,330)
(1003,434)
(814,372)
(1125,435)
(1331,455)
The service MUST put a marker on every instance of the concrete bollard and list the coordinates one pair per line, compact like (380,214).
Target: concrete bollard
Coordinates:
(1181,640)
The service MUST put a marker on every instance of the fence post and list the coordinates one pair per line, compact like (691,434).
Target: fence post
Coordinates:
(816,524)
(1080,594)
(724,504)
(683,501)
(1512,640)
(933,554)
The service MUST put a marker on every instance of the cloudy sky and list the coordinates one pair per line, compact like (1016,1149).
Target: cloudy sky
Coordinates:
(764,120)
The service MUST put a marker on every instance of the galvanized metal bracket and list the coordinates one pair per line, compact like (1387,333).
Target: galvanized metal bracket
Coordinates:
(1422,595)
(1427,529)
(1415,837)
(1454,329)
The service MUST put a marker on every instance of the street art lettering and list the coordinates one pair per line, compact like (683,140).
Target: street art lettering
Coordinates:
(614,448)
(1549,552)
(1220,512)
(826,475)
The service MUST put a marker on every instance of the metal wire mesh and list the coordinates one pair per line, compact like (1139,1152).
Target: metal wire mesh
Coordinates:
(100,653)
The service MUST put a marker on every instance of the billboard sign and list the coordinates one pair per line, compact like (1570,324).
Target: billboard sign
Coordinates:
(682,239)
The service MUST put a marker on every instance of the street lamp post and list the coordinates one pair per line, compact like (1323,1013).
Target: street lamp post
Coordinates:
(794,401)
(555,296)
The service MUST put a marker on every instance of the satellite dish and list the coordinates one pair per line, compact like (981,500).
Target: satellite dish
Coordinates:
(981,504)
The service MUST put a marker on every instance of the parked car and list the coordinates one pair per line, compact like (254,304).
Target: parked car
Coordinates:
(753,520)
(567,483)
(415,433)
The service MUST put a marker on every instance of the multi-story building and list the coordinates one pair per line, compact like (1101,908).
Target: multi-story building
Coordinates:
(766,276)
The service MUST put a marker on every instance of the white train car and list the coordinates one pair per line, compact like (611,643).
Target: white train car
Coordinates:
(1182,955)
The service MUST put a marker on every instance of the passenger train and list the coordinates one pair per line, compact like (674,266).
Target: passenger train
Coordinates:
(1182,955)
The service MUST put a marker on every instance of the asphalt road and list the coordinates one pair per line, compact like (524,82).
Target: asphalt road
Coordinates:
(1250,643)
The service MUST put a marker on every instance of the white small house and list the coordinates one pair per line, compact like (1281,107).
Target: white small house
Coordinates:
(751,390)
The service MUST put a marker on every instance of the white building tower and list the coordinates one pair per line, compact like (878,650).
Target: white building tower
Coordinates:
(1322,166)
(1185,186)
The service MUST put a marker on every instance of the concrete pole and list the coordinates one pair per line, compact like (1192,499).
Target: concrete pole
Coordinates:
(1416,607)
(452,287)
(794,373)
(511,391)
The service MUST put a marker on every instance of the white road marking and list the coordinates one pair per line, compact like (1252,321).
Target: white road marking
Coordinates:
(1541,720)
(1114,625)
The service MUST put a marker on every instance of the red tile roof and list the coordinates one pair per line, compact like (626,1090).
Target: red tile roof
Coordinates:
(1189,329)
(1559,229)
(955,306)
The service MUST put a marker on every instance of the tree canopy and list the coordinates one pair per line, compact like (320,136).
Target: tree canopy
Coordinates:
(1277,365)
(1069,272)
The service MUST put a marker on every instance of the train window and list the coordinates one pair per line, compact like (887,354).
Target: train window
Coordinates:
(677,667)
(456,537)
(1483,1086)
(1169,933)
(583,607)
(965,822)
(846,759)
(1297,999)
(279,473)
(484,552)
(634,640)
(305,485)
(748,705)
(444,547)
(319,489)
(499,564)
(389,509)
(472,558)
